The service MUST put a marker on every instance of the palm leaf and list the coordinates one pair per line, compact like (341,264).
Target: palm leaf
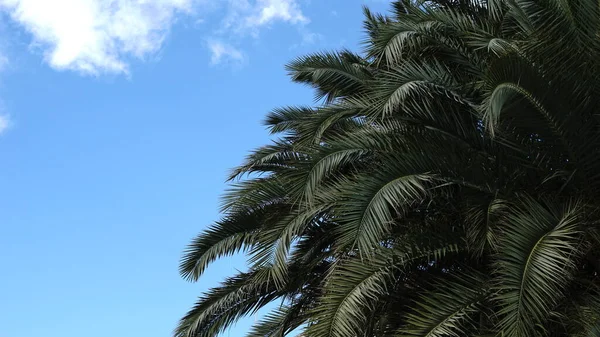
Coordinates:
(220,307)
(450,308)
(538,251)
(280,322)
(333,75)
(355,286)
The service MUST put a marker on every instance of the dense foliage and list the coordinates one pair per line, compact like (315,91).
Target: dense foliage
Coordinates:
(447,184)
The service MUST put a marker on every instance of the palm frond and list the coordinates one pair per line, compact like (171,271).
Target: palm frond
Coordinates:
(224,238)
(274,244)
(287,119)
(539,249)
(222,306)
(333,75)
(371,203)
(450,308)
(280,322)
(481,230)
(355,286)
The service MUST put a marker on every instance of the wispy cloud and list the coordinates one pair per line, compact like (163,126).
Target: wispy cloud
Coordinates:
(249,17)
(95,36)
(3,62)
(268,11)
(223,52)
(308,38)
(4,123)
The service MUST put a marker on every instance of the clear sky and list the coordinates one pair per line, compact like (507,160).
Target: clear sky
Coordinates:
(119,121)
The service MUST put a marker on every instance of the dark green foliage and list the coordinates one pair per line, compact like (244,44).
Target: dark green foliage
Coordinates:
(447,185)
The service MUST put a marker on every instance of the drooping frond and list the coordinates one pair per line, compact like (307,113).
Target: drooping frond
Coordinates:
(279,323)
(225,238)
(275,243)
(333,75)
(449,308)
(368,212)
(355,287)
(538,252)
(277,157)
(224,305)
(287,119)
(482,233)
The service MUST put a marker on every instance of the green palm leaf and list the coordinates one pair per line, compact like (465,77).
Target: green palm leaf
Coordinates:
(540,246)
(279,323)
(356,286)
(371,203)
(334,75)
(222,306)
(450,308)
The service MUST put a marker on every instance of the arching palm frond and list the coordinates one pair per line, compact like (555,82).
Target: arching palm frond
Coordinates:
(482,233)
(222,306)
(366,215)
(222,239)
(333,75)
(449,308)
(539,250)
(355,287)
(279,323)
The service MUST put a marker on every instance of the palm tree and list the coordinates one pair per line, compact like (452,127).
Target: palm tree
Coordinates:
(447,183)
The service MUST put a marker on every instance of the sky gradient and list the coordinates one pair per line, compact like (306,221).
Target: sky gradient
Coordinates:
(119,121)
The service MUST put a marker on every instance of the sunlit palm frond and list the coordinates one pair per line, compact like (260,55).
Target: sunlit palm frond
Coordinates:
(537,254)
(279,323)
(370,204)
(355,286)
(221,306)
(449,308)
(333,75)
(225,238)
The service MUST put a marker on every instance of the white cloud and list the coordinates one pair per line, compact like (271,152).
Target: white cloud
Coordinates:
(4,123)
(248,17)
(3,62)
(308,38)
(273,10)
(223,52)
(95,36)
(103,36)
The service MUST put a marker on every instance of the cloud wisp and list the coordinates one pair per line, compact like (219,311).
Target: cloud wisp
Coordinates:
(222,52)
(4,123)
(246,17)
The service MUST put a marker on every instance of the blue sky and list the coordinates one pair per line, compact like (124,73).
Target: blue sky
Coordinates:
(119,121)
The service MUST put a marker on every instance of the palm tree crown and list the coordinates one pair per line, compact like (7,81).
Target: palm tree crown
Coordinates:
(447,184)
